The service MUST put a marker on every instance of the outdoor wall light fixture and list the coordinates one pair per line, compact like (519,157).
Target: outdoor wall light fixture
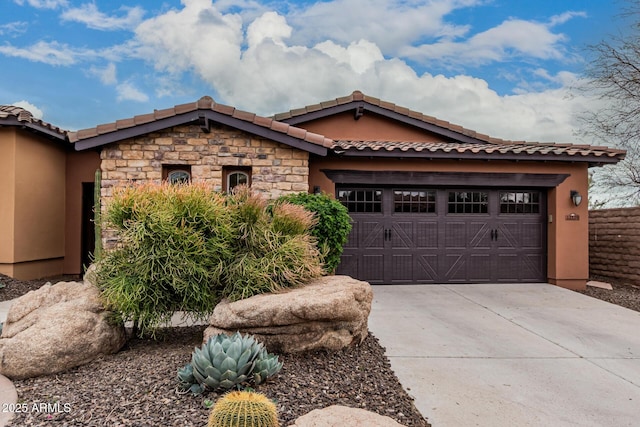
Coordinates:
(576,198)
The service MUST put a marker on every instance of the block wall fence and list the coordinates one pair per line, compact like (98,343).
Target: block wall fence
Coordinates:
(614,244)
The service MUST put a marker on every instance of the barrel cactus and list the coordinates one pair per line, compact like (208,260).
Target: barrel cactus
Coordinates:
(244,409)
(224,362)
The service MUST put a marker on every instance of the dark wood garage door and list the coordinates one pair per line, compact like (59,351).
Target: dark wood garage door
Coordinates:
(413,235)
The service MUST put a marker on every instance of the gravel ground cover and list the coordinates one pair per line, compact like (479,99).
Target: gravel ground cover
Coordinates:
(136,387)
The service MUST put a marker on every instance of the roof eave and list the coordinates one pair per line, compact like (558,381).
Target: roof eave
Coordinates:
(592,159)
(357,105)
(35,127)
(195,117)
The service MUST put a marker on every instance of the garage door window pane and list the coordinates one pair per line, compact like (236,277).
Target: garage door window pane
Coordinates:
(468,202)
(520,202)
(368,201)
(414,201)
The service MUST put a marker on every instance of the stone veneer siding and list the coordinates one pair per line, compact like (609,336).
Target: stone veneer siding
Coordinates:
(276,169)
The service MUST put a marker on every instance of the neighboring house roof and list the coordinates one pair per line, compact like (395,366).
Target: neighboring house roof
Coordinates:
(10,115)
(202,112)
(461,142)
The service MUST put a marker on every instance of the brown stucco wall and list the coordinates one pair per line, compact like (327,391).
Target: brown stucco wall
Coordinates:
(370,127)
(614,244)
(81,167)
(567,241)
(35,218)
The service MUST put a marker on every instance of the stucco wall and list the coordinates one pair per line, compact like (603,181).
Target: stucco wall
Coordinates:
(32,197)
(7,198)
(614,244)
(81,167)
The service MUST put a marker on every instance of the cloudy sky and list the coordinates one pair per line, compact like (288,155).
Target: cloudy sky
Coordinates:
(501,67)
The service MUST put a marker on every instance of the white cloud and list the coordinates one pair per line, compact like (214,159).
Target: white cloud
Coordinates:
(35,111)
(107,75)
(52,53)
(198,38)
(43,4)
(265,71)
(89,15)
(512,38)
(360,55)
(390,24)
(128,92)
(13,28)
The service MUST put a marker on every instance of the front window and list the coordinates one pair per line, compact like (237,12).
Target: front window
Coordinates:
(176,174)
(361,200)
(237,177)
(468,202)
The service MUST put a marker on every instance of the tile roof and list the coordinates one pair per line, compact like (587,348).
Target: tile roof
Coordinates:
(12,115)
(357,96)
(470,140)
(205,103)
(503,149)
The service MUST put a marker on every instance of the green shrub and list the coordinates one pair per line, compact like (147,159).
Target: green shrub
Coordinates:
(332,227)
(171,256)
(184,247)
(273,250)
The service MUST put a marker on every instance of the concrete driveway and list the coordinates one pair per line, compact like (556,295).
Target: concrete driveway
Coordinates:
(511,354)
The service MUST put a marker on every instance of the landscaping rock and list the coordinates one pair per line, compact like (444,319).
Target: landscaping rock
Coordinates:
(329,313)
(56,328)
(339,416)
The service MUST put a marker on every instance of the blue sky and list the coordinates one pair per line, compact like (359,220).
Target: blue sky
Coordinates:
(501,67)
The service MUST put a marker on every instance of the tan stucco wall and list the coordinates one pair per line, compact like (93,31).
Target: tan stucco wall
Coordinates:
(81,167)
(34,214)
(7,197)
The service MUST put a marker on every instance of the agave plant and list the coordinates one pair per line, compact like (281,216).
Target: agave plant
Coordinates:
(224,362)
(266,366)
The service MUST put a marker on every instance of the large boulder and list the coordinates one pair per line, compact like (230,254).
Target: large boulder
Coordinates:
(338,416)
(56,328)
(328,313)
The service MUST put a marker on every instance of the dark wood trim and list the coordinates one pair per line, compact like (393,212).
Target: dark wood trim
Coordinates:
(199,117)
(475,179)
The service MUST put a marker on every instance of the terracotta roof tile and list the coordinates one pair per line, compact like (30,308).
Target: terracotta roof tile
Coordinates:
(86,133)
(262,121)
(185,108)
(280,127)
(506,147)
(204,103)
(223,109)
(162,114)
(143,118)
(106,128)
(243,115)
(22,115)
(125,123)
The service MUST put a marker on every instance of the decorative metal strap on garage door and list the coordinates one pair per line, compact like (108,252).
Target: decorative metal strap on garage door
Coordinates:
(540,180)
